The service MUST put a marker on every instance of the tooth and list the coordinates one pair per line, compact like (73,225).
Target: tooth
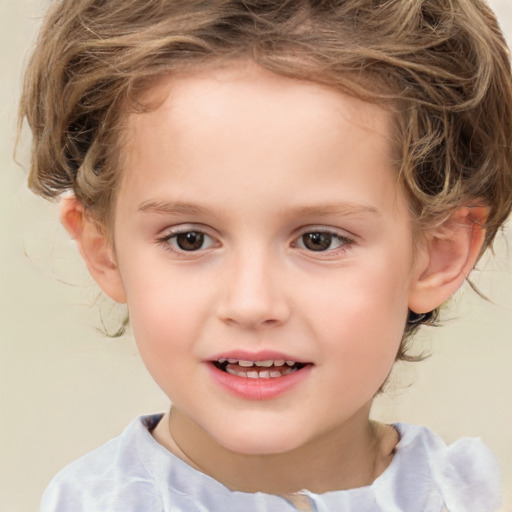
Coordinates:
(290,363)
(264,374)
(265,364)
(288,371)
(222,360)
(252,375)
(246,364)
(279,362)
(275,374)
(232,361)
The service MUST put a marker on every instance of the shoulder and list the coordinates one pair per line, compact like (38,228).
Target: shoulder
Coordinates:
(112,477)
(464,474)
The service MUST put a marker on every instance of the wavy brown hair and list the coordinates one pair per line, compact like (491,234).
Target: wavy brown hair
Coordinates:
(441,66)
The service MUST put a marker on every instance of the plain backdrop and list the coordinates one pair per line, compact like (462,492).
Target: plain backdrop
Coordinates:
(65,388)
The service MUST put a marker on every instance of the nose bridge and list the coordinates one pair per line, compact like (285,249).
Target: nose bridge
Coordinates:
(254,293)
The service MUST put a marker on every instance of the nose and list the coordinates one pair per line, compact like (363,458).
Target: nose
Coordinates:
(254,294)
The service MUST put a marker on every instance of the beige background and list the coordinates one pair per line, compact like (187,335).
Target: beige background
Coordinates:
(65,388)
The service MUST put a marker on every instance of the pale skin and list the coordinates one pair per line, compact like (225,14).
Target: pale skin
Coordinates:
(252,167)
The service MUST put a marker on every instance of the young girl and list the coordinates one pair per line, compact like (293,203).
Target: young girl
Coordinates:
(282,192)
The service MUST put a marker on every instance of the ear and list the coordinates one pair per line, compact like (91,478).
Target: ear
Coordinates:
(446,258)
(94,246)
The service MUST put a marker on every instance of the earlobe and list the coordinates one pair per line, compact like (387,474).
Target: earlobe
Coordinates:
(94,246)
(446,258)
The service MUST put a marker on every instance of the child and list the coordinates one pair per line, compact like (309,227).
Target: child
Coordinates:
(282,192)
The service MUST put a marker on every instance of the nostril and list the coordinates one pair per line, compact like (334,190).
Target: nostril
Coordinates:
(251,324)
(252,315)
(252,299)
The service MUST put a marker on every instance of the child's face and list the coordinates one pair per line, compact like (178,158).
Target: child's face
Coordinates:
(259,218)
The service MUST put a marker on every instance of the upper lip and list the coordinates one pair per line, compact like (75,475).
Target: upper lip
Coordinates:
(262,355)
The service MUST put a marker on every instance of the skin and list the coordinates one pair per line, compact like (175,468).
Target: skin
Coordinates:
(255,162)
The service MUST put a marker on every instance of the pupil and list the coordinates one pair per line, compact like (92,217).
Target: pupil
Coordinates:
(190,241)
(317,241)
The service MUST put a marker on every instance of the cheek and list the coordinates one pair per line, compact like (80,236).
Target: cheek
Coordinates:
(163,312)
(163,327)
(369,298)
(362,319)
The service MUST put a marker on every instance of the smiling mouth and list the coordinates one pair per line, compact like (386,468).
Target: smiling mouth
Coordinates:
(269,369)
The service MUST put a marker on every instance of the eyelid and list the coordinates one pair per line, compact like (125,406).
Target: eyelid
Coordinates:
(185,228)
(347,241)
(173,231)
(315,228)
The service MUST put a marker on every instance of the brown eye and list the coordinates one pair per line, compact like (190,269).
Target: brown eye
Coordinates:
(180,242)
(317,241)
(190,241)
(323,241)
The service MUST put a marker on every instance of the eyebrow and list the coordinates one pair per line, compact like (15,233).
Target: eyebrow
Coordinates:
(171,207)
(322,210)
(345,208)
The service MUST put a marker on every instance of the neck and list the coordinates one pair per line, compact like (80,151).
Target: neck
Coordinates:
(350,456)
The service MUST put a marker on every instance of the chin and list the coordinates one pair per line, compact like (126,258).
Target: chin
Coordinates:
(263,442)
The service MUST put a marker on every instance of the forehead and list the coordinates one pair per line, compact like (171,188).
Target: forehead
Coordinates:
(242,124)
(217,87)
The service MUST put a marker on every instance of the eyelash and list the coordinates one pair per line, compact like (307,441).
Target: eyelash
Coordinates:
(171,243)
(344,243)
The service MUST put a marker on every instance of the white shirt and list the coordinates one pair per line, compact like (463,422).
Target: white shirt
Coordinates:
(133,473)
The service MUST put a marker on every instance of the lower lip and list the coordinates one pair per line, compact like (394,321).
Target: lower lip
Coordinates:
(258,389)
